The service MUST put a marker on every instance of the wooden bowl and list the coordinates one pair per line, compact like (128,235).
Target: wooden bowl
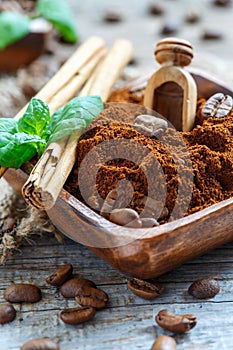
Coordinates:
(27,49)
(146,253)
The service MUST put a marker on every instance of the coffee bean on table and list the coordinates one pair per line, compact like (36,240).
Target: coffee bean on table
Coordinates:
(156,9)
(7,313)
(175,323)
(149,125)
(164,342)
(89,296)
(209,34)
(61,275)
(217,106)
(40,344)
(77,315)
(145,289)
(69,288)
(113,16)
(125,217)
(169,28)
(19,293)
(222,3)
(193,17)
(204,288)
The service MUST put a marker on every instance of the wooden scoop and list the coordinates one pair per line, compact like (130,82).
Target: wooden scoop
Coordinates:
(172,91)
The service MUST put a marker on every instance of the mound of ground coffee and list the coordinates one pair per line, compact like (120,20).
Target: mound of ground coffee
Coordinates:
(113,153)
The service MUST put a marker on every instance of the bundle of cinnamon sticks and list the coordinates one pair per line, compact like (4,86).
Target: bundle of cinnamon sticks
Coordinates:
(91,70)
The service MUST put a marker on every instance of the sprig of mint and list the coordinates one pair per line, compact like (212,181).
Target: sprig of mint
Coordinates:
(23,139)
(59,14)
(14,26)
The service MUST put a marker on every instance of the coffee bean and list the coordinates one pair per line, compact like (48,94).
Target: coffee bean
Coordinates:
(112,16)
(204,288)
(149,222)
(77,315)
(61,275)
(109,203)
(8,225)
(89,296)
(7,313)
(169,28)
(69,288)
(125,217)
(156,9)
(145,289)
(149,125)
(193,17)
(164,342)
(209,34)
(175,323)
(222,3)
(19,293)
(40,344)
(218,106)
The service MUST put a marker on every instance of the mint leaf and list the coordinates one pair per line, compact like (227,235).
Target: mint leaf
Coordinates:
(8,125)
(59,14)
(13,26)
(16,149)
(74,116)
(36,119)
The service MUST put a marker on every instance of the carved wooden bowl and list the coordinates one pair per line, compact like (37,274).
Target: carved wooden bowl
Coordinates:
(146,253)
(27,49)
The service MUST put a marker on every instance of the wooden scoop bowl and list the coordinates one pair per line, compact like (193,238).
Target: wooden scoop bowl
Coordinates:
(27,49)
(153,251)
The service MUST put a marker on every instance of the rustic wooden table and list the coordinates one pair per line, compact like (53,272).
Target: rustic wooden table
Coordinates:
(128,321)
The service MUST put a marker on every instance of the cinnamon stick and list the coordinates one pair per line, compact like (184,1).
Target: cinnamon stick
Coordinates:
(70,77)
(50,173)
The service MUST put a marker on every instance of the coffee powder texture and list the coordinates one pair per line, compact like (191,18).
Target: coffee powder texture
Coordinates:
(169,169)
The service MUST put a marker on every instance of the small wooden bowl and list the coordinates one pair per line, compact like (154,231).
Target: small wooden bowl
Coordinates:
(149,252)
(27,49)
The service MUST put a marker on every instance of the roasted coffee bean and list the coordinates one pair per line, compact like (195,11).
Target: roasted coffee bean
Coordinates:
(222,3)
(145,289)
(7,313)
(209,34)
(113,16)
(193,16)
(40,344)
(149,125)
(8,225)
(61,275)
(169,28)
(89,296)
(149,222)
(175,323)
(125,217)
(77,315)
(109,203)
(164,342)
(156,9)
(218,106)
(69,288)
(204,288)
(19,293)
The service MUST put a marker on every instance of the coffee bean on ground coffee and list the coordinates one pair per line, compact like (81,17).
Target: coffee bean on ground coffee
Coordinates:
(175,323)
(61,275)
(164,342)
(7,313)
(19,293)
(77,315)
(204,288)
(145,289)
(69,288)
(40,344)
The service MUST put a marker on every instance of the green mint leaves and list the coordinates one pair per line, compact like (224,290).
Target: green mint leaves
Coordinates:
(59,14)
(23,139)
(13,26)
